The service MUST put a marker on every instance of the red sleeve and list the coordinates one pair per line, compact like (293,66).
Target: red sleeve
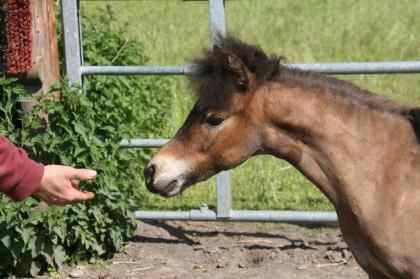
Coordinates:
(19,175)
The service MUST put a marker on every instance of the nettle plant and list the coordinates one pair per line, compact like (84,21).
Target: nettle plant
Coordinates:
(83,131)
(33,236)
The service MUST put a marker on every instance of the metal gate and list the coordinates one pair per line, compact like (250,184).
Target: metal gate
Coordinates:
(76,70)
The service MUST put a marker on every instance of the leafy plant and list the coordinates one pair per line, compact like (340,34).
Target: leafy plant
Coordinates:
(83,130)
(33,237)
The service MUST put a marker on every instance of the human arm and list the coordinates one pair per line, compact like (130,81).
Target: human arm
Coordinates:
(20,177)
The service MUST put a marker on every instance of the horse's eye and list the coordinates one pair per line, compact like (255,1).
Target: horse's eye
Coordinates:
(214,120)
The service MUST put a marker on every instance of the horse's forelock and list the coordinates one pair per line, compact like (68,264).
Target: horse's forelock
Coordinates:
(213,80)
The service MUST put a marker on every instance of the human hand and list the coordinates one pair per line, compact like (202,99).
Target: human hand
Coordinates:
(57,188)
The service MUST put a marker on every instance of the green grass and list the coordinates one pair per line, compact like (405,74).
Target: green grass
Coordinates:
(173,32)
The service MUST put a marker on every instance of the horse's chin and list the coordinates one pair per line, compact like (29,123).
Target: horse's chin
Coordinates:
(176,187)
(172,189)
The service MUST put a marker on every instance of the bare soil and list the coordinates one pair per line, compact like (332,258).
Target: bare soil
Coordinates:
(227,250)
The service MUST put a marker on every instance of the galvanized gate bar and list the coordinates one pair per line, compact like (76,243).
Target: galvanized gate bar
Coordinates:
(72,40)
(386,67)
(224,195)
(224,192)
(293,217)
(217,20)
(136,70)
(136,143)
(326,68)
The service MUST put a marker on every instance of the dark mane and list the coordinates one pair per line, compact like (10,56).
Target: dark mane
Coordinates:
(213,79)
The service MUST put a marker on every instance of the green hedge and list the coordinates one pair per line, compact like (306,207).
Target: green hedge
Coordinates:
(83,131)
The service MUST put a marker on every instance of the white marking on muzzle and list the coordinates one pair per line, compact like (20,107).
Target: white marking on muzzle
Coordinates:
(168,169)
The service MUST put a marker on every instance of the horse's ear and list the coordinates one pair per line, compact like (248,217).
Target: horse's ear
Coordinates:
(245,79)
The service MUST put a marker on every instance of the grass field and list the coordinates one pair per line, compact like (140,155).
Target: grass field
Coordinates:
(173,32)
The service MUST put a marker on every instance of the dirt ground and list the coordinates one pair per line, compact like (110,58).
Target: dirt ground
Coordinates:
(227,250)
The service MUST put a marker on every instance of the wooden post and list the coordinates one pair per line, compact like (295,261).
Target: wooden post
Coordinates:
(45,67)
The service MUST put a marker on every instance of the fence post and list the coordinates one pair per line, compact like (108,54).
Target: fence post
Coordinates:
(217,19)
(72,40)
(224,193)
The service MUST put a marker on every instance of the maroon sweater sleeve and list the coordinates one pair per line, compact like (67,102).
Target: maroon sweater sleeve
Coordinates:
(19,175)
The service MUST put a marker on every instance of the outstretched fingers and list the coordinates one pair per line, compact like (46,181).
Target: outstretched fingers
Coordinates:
(81,174)
(75,196)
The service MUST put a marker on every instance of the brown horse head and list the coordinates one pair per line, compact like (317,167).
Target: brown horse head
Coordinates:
(221,130)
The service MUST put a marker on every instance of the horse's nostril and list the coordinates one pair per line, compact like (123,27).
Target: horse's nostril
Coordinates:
(149,173)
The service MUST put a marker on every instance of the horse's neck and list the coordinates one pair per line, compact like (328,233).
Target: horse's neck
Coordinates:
(342,147)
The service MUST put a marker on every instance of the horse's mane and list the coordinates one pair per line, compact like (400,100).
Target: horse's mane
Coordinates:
(213,79)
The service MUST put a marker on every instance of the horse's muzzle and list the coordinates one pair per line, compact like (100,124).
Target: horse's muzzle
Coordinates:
(149,173)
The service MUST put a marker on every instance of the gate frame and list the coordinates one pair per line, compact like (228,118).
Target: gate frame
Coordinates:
(76,70)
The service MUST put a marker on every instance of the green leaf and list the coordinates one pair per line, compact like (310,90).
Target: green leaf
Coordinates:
(59,255)
(59,232)
(81,131)
(47,253)
(24,234)
(6,241)
(98,248)
(36,267)
(36,245)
